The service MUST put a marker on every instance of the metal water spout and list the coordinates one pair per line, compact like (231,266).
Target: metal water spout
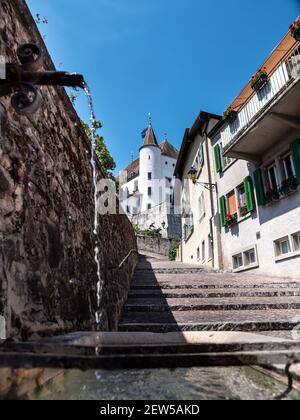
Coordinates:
(21,80)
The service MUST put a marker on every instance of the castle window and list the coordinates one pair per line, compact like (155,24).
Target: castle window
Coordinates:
(149,176)
(149,192)
(149,206)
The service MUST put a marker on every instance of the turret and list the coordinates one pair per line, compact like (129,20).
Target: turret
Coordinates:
(150,170)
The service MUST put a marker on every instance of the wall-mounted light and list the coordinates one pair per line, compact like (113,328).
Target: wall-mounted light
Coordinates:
(193,174)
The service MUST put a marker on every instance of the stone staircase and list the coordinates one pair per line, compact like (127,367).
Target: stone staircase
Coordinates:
(168,297)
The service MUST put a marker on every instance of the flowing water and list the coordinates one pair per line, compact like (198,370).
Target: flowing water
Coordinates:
(93,128)
(181,384)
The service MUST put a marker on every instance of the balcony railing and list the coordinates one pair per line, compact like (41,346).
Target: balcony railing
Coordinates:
(284,74)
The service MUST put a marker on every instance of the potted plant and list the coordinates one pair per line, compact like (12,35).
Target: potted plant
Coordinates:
(272,195)
(259,80)
(231,219)
(295,30)
(243,210)
(230,115)
(288,185)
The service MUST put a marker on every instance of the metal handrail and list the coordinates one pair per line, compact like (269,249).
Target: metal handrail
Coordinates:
(132,251)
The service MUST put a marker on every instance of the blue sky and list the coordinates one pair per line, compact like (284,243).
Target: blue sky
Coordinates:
(172,58)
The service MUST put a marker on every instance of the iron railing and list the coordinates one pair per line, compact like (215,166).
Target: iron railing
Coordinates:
(284,74)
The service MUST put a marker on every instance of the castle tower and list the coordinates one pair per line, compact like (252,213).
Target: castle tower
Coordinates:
(150,171)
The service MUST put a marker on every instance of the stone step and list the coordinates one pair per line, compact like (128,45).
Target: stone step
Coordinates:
(215,293)
(212,304)
(246,326)
(248,320)
(150,285)
(169,271)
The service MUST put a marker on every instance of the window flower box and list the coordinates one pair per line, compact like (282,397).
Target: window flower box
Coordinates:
(289,185)
(260,80)
(230,115)
(295,30)
(231,219)
(272,195)
(243,210)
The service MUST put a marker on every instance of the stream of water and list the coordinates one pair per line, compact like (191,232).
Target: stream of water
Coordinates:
(93,128)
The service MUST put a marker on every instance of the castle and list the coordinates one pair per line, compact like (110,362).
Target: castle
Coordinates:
(147,187)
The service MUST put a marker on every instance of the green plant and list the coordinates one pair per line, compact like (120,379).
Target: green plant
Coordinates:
(295,27)
(107,161)
(231,219)
(173,252)
(230,114)
(261,75)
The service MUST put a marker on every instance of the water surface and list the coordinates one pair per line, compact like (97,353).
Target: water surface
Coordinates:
(181,384)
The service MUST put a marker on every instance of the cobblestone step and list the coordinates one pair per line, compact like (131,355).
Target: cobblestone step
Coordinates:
(213,293)
(142,285)
(211,304)
(215,317)
(247,326)
(163,299)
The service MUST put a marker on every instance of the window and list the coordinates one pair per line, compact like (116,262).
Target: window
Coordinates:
(296,240)
(199,160)
(149,191)
(128,209)
(288,170)
(282,247)
(272,177)
(188,226)
(226,160)
(287,247)
(242,201)
(203,251)
(149,176)
(166,162)
(238,261)
(198,254)
(231,203)
(249,257)
(149,206)
(201,204)
(245,260)
(210,247)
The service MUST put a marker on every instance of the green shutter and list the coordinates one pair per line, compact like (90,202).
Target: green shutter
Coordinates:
(295,148)
(218,159)
(249,194)
(184,232)
(259,187)
(223,211)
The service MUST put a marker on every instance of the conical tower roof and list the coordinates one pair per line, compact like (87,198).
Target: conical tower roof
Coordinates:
(150,139)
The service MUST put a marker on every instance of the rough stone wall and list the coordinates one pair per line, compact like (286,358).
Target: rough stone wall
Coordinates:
(47,270)
(160,246)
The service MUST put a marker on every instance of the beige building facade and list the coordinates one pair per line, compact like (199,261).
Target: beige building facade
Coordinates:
(198,196)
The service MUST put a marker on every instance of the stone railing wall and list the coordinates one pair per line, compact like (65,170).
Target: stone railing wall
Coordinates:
(48,274)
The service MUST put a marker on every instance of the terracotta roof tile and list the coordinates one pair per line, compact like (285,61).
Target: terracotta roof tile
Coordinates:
(169,150)
(278,55)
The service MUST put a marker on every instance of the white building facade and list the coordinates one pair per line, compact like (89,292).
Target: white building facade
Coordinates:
(257,166)
(147,187)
